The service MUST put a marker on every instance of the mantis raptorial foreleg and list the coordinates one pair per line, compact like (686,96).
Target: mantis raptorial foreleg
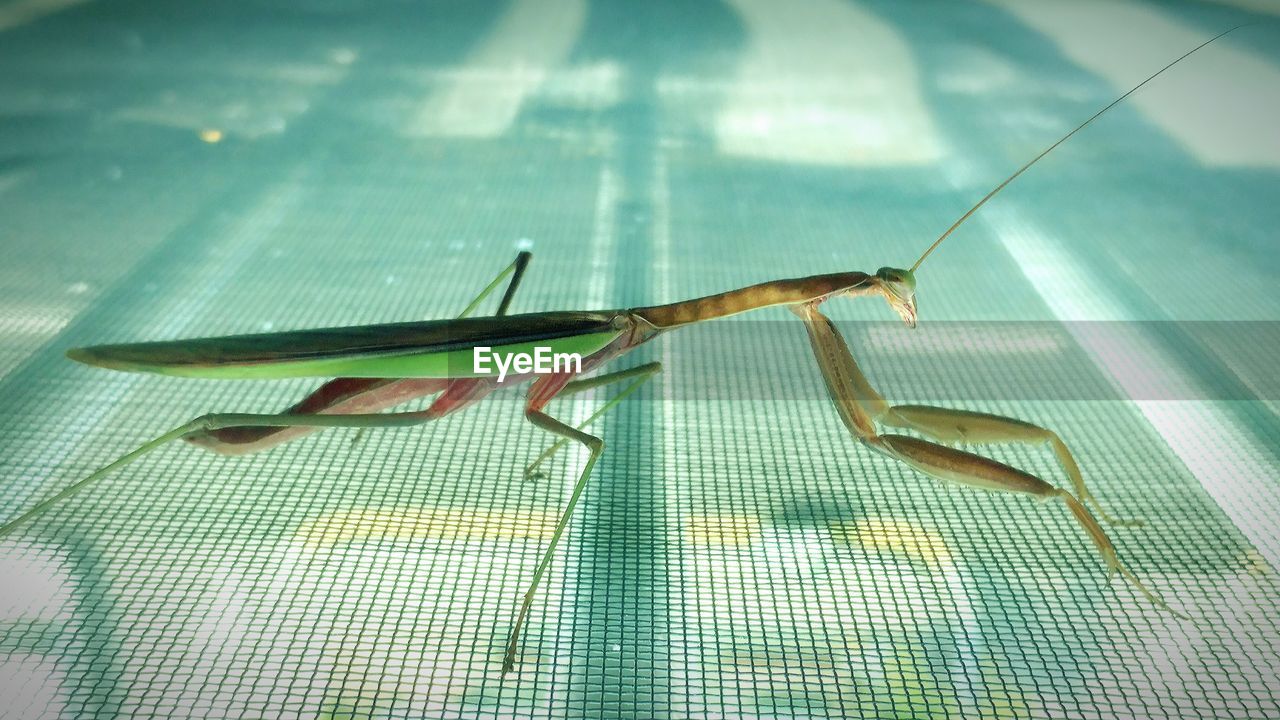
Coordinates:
(857,402)
(861,408)
(966,468)
(545,388)
(641,373)
(963,426)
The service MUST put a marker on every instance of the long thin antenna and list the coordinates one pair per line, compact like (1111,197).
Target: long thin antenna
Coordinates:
(1061,140)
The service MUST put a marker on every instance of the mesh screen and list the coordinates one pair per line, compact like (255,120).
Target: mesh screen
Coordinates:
(170,170)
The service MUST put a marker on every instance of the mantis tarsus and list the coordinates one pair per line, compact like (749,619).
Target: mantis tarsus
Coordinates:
(380,366)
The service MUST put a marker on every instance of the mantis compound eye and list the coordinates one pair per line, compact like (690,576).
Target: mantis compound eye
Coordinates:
(899,278)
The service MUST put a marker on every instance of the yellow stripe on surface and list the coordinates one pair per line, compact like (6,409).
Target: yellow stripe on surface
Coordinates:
(426,523)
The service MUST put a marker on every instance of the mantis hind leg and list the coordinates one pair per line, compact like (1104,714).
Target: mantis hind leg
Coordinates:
(352,395)
(963,426)
(516,271)
(341,395)
(458,395)
(966,468)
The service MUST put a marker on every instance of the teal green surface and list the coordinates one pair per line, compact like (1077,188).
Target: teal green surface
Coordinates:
(173,170)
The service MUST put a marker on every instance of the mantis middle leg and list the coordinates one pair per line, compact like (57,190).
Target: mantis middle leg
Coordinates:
(541,393)
(641,375)
(861,407)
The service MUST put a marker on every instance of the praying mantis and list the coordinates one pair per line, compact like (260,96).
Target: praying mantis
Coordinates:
(377,367)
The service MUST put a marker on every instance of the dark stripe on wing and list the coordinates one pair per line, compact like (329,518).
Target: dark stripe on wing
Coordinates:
(358,341)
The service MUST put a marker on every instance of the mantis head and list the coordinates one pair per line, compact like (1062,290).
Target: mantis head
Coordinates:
(899,289)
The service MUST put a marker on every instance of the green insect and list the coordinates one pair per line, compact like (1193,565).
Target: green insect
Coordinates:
(380,366)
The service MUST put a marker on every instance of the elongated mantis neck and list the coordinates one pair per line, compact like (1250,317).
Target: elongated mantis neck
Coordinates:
(754,297)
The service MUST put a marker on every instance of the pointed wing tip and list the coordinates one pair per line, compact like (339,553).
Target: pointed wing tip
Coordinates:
(107,356)
(84,355)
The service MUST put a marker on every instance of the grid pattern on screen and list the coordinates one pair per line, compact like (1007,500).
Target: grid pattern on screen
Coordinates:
(734,557)
(739,555)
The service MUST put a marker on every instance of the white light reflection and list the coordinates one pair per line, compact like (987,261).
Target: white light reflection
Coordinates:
(825,82)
